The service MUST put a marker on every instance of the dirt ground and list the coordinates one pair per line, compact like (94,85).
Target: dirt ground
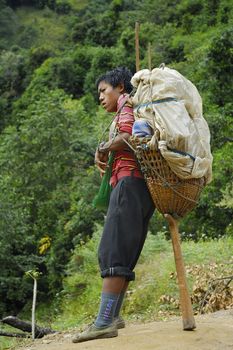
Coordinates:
(213,332)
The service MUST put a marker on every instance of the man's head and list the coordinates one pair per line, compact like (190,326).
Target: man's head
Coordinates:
(111,85)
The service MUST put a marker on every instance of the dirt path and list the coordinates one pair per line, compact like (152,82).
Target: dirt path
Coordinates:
(214,332)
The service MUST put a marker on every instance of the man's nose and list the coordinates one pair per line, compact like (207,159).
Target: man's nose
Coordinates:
(101,97)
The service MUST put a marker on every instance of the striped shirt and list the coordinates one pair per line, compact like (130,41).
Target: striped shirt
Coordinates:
(125,163)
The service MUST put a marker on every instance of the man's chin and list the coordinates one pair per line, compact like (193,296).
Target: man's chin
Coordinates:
(111,110)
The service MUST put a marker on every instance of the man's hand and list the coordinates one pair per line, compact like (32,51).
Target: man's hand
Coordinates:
(104,146)
(101,160)
(102,152)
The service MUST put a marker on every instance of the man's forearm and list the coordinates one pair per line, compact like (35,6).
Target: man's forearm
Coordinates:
(116,144)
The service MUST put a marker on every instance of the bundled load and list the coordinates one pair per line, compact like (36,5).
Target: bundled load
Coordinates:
(169,126)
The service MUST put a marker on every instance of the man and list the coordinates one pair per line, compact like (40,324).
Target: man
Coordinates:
(130,207)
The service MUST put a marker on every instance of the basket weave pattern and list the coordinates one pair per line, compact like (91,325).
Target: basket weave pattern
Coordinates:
(171,195)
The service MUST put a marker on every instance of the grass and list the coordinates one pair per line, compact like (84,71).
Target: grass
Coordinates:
(11,343)
(155,279)
(156,272)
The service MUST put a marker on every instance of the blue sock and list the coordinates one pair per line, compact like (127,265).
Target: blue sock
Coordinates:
(107,309)
(119,303)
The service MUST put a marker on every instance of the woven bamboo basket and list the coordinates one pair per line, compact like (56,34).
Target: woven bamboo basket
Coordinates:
(171,195)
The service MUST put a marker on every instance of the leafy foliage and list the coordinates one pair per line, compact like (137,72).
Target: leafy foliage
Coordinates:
(219,67)
(12,83)
(46,156)
(8,25)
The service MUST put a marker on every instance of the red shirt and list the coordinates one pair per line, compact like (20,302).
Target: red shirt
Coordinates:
(125,163)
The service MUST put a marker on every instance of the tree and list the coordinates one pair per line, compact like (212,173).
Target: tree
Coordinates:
(219,67)
(8,25)
(13,74)
(40,163)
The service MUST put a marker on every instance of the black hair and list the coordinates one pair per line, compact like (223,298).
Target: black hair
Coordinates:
(117,76)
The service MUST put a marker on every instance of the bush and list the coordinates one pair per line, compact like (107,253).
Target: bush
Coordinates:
(62,7)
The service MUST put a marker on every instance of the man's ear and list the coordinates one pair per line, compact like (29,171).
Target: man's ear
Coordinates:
(121,88)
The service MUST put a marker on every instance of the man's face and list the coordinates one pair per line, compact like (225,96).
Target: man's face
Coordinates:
(108,95)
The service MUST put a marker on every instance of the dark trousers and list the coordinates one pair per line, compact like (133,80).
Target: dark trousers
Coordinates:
(125,229)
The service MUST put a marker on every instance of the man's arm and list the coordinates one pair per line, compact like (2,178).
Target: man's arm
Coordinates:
(116,144)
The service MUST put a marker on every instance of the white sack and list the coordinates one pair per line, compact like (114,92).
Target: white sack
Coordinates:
(181,125)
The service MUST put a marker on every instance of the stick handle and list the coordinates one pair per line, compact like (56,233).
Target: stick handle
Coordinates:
(185,301)
(137,46)
(149,56)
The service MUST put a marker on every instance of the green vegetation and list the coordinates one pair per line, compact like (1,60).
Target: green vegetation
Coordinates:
(40,28)
(149,297)
(51,52)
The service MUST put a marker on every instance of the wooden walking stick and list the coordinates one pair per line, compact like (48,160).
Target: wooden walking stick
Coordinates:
(137,46)
(149,57)
(185,301)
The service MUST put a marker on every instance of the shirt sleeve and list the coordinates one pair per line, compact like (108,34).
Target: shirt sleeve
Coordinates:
(126,119)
